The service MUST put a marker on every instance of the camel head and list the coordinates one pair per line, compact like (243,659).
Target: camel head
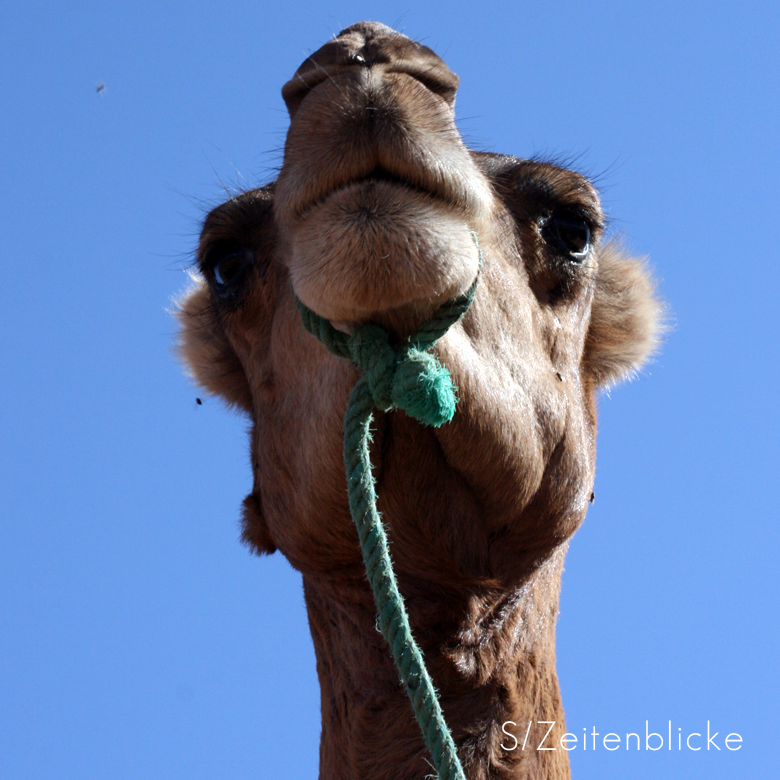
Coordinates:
(372,219)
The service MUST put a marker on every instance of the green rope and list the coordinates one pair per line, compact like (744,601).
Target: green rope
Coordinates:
(406,377)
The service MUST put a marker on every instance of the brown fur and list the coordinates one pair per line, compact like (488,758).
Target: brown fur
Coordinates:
(371,219)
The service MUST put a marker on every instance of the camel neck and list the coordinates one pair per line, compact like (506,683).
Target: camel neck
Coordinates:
(491,654)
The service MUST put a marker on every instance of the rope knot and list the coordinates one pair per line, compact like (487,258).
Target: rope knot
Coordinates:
(403,376)
(370,350)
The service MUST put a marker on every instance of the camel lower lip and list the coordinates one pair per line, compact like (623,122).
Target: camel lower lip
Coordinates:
(365,187)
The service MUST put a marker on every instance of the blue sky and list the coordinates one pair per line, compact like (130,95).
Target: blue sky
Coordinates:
(139,638)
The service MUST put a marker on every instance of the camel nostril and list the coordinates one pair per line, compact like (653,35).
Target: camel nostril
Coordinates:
(325,63)
(370,55)
(441,81)
(296,89)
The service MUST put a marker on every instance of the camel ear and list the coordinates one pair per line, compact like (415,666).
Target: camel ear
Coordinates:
(206,352)
(626,321)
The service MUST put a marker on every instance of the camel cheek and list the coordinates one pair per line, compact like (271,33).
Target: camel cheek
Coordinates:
(626,321)
(206,351)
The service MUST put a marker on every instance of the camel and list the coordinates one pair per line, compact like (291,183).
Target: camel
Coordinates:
(372,219)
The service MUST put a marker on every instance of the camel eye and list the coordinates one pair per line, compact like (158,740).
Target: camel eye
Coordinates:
(569,233)
(230,268)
